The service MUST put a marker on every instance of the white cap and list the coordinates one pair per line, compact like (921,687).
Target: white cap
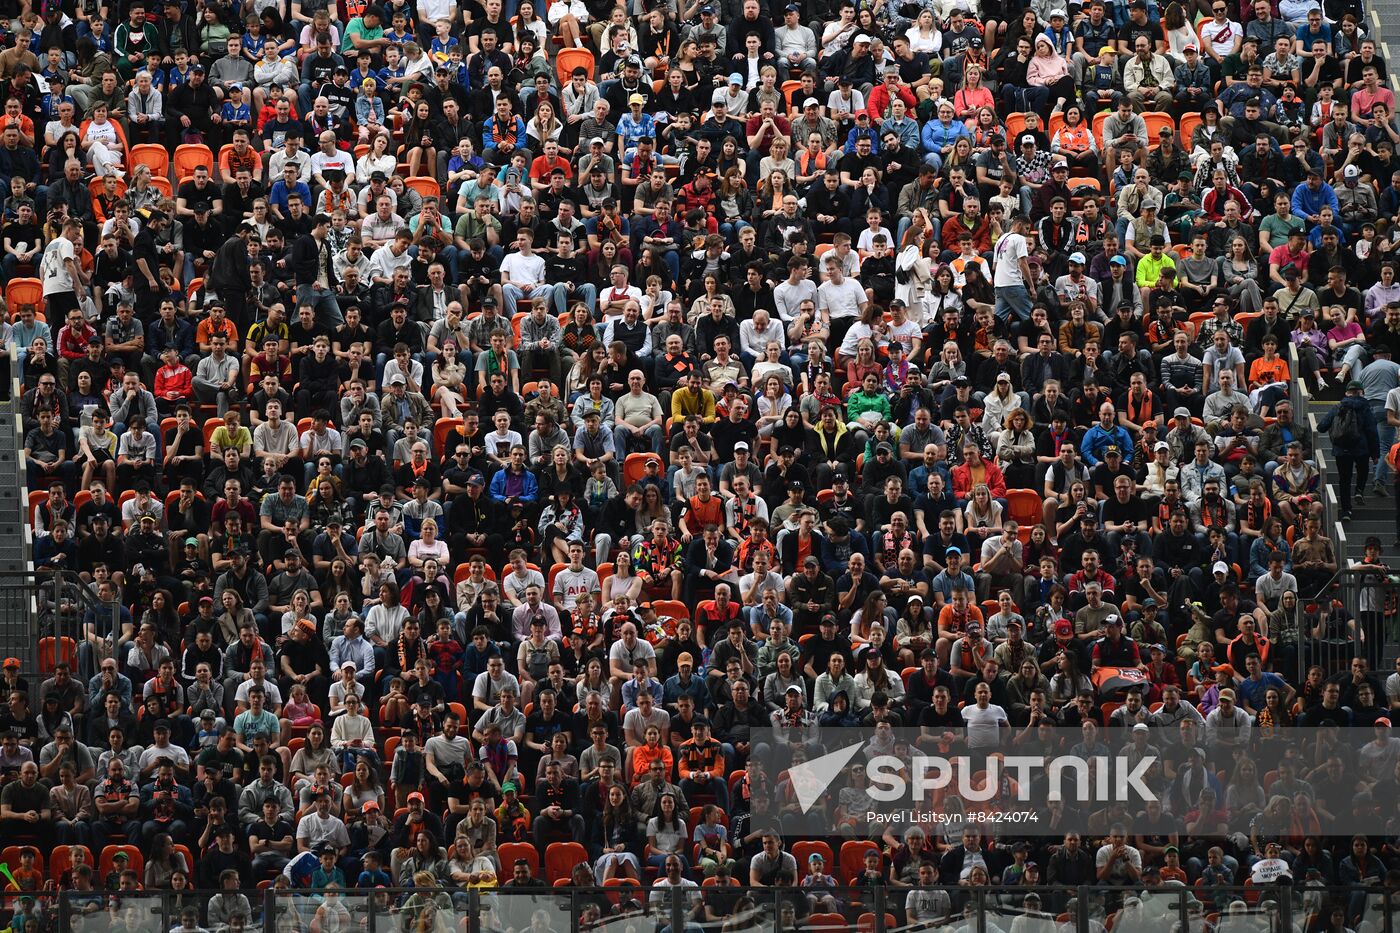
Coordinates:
(860,37)
(741,445)
(1351,171)
(1140,727)
(1058,12)
(1162,445)
(1077,257)
(811,102)
(1220,567)
(1028,138)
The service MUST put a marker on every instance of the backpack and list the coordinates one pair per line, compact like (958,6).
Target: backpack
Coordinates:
(1346,426)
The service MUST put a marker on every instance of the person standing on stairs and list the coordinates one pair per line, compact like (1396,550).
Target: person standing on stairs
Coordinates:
(1355,442)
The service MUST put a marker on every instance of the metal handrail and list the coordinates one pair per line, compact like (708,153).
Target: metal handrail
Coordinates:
(1090,908)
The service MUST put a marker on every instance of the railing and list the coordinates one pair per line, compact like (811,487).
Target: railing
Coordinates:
(41,620)
(622,907)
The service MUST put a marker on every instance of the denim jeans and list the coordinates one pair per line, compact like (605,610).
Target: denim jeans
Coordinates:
(1013,300)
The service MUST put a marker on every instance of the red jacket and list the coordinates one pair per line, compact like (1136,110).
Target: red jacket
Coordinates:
(174,382)
(72,345)
(962,480)
(879,101)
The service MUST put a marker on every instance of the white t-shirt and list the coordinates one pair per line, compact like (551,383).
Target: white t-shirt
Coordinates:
(905,333)
(1221,36)
(983,725)
(54,269)
(526,269)
(842,300)
(630,659)
(1010,250)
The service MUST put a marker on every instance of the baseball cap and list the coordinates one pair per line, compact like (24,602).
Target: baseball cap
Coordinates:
(415,796)
(1064,628)
(1119,260)
(1162,445)
(1351,171)
(1182,412)
(1140,727)
(1027,139)
(736,78)
(685,658)
(636,99)
(811,102)
(861,37)
(1077,257)
(1220,567)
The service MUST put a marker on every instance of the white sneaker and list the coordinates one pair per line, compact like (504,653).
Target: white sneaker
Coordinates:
(1321,381)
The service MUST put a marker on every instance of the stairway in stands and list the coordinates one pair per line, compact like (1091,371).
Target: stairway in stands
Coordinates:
(1376,516)
(18,615)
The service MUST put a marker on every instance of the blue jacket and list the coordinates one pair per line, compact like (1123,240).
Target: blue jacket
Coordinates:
(1307,202)
(936,135)
(1096,439)
(529,491)
(1365,444)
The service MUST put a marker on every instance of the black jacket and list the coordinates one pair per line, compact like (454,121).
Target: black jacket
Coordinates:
(306,255)
(230,268)
(197,103)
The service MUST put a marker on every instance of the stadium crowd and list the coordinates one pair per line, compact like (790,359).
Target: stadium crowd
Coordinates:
(493,418)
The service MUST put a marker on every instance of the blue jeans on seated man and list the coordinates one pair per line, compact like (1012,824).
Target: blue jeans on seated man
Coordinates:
(935,231)
(621,435)
(514,293)
(730,231)
(585,292)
